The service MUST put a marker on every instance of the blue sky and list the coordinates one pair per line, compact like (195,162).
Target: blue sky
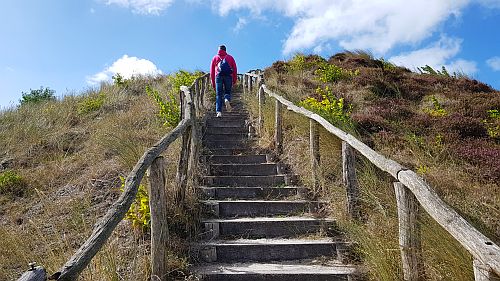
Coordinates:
(70,46)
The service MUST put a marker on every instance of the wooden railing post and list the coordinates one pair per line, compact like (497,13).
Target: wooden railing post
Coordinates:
(409,233)
(350,181)
(250,84)
(182,169)
(278,128)
(196,96)
(159,226)
(195,147)
(260,120)
(482,272)
(35,273)
(245,83)
(314,152)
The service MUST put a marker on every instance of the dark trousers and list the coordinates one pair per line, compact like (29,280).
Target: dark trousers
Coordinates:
(223,85)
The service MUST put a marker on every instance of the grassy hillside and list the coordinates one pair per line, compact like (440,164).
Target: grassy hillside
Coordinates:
(61,162)
(61,166)
(442,125)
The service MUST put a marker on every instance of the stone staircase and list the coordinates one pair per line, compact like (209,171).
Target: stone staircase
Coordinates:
(257,225)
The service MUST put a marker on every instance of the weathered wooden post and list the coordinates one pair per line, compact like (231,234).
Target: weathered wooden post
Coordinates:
(314,152)
(159,226)
(35,273)
(409,233)
(250,84)
(482,272)
(260,120)
(195,145)
(278,128)
(202,93)
(196,96)
(245,83)
(182,169)
(350,181)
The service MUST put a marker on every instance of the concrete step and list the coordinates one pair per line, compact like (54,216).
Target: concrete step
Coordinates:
(276,271)
(225,136)
(227,144)
(263,227)
(237,159)
(221,193)
(274,180)
(262,169)
(258,208)
(264,250)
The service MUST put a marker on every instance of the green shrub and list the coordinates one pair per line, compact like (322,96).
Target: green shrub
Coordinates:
(139,214)
(331,108)
(91,103)
(300,63)
(183,78)
(12,183)
(37,96)
(170,112)
(119,81)
(330,73)
(492,123)
(437,109)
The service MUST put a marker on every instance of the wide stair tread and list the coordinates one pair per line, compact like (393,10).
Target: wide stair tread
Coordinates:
(266,249)
(275,271)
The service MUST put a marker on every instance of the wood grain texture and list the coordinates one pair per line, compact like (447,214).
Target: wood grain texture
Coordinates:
(159,226)
(350,181)
(409,233)
(278,129)
(314,153)
(36,274)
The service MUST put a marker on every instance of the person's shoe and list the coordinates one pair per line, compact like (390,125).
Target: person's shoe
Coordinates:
(219,114)
(228,105)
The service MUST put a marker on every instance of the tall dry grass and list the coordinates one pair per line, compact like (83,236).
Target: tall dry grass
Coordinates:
(71,160)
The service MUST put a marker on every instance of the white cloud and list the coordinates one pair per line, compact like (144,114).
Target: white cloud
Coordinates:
(494,63)
(437,55)
(434,55)
(377,25)
(147,7)
(127,67)
(462,66)
(240,24)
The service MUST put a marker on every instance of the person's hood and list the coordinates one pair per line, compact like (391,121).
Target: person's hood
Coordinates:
(222,53)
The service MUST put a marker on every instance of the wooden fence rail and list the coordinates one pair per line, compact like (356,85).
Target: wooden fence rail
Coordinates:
(192,105)
(411,189)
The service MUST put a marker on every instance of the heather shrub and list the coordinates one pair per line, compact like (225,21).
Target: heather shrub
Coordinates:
(483,155)
(383,88)
(465,127)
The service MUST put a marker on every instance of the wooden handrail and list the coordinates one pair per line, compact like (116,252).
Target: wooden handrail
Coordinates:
(485,252)
(103,229)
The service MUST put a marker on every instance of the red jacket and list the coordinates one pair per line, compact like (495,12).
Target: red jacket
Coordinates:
(213,67)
